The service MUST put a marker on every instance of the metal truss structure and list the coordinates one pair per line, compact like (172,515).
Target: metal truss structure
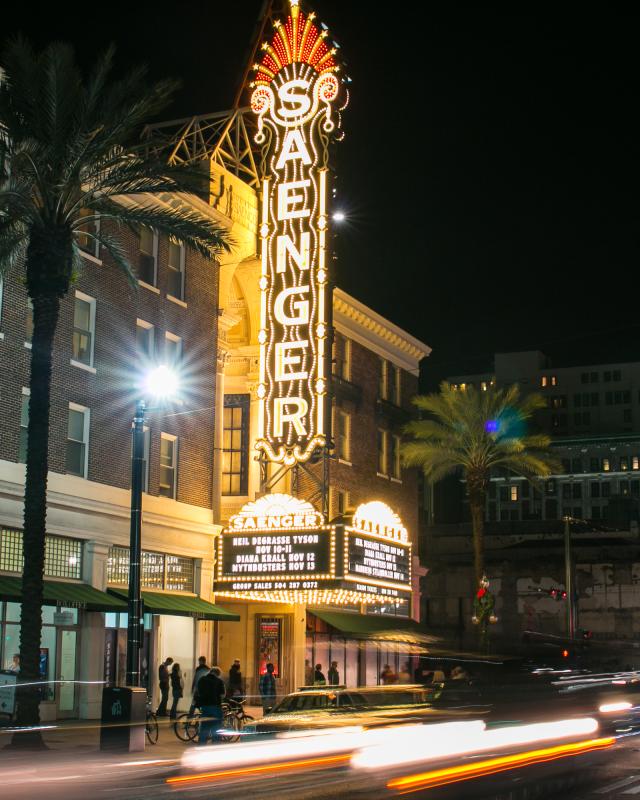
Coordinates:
(318,494)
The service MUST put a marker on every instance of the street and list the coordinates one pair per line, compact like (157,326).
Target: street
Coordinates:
(70,770)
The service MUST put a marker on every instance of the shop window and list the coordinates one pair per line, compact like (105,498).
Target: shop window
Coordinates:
(84,326)
(148,256)
(152,570)
(118,566)
(235,445)
(176,270)
(24,425)
(168,465)
(77,440)
(159,570)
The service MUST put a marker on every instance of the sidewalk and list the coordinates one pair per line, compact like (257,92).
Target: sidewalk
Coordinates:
(82,737)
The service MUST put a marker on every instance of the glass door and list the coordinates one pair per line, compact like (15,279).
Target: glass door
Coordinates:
(67,656)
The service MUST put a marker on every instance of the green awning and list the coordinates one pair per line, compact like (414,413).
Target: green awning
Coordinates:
(63,593)
(181,605)
(362,626)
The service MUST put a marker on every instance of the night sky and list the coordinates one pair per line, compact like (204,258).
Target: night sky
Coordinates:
(490,166)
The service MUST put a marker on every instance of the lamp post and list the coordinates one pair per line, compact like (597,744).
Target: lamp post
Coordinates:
(568,580)
(159,383)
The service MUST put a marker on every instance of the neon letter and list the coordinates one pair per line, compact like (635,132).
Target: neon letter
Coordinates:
(284,245)
(285,200)
(301,307)
(301,102)
(295,417)
(283,360)
(293,137)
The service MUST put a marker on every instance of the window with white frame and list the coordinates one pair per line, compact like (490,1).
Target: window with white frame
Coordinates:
(342,434)
(87,233)
(172,349)
(144,339)
(28,324)
(78,440)
(84,328)
(342,357)
(397,386)
(513,490)
(148,257)
(383,388)
(24,425)
(175,270)
(383,451)
(394,457)
(168,465)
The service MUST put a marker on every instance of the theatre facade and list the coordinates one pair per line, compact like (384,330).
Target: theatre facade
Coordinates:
(316,555)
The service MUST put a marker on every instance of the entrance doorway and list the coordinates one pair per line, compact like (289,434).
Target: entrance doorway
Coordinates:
(66,670)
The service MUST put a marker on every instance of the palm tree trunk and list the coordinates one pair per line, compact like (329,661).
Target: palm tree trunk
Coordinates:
(477,523)
(45,317)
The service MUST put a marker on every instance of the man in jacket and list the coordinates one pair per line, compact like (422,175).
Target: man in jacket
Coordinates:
(164,681)
(267,688)
(210,693)
(201,671)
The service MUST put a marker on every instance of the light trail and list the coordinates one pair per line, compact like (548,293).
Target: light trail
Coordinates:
(262,769)
(442,777)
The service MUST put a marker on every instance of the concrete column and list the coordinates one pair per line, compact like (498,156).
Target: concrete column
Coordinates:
(91,666)
(299,643)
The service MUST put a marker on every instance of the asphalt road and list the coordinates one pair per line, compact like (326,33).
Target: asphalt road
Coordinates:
(614,773)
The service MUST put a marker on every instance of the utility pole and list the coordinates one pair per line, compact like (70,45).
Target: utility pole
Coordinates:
(568,579)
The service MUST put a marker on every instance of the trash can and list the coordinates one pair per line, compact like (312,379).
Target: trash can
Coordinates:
(124,715)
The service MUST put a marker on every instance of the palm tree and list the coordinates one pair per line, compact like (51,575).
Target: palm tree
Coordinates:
(475,432)
(70,154)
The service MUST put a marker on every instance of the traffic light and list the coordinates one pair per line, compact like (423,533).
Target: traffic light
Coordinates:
(557,594)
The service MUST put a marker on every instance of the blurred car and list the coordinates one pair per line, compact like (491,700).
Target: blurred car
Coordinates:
(343,706)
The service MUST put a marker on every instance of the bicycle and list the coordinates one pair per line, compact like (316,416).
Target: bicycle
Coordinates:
(151,727)
(187,726)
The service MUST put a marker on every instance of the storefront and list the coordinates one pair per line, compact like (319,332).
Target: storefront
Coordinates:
(293,579)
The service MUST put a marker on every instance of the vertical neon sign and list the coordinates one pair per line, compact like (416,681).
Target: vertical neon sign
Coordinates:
(295,98)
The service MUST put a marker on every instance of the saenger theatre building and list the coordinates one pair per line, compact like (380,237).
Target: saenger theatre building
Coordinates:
(316,555)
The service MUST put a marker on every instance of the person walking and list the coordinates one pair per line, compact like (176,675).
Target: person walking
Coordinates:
(334,675)
(235,681)
(318,676)
(267,688)
(210,694)
(164,681)
(177,689)
(200,672)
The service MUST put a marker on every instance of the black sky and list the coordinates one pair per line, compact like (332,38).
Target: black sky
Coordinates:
(490,168)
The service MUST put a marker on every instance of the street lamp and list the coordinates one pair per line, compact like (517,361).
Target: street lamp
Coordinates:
(160,383)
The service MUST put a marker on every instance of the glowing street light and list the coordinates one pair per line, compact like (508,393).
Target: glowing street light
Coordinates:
(160,383)
(339,216)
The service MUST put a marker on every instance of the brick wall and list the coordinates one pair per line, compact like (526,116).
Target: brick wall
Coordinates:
(110,393)
(360,478)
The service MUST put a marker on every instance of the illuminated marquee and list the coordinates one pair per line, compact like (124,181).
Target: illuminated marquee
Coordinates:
(295,99)
(377,551)
(277,543)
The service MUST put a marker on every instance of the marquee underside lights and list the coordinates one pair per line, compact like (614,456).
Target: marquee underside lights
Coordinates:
(295,97)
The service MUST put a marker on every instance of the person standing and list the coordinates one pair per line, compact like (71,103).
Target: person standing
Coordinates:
(308,673)
(235,681)
(200,672)
(163,679)
(318,676)
(210,693)
(334,675)
(388,676)
(177,688)
(267,688)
